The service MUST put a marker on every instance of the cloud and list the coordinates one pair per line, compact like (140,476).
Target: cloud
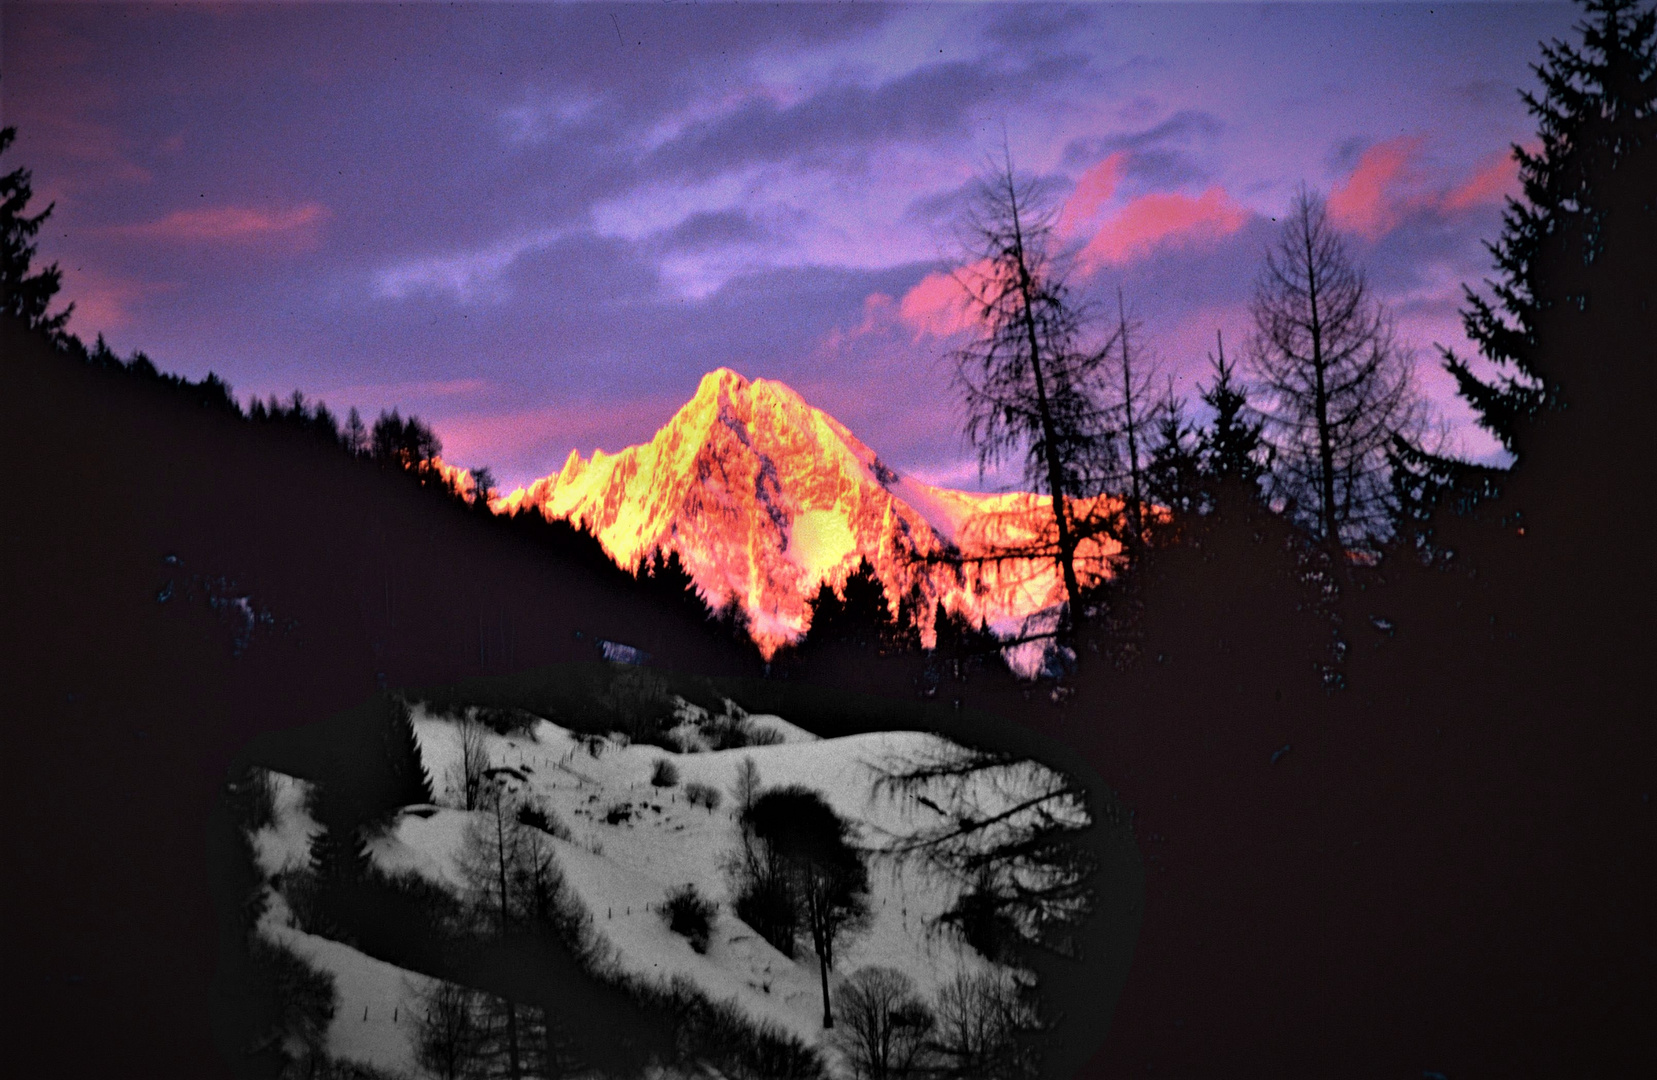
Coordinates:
(713,228)
(1162,219)
(1095,188)
(1497,179)
(1184,126)
(103,302)
(1390,183)
(1381,190)
(422,390)
(462,274)
(930,103)
(297,227)
(938,305)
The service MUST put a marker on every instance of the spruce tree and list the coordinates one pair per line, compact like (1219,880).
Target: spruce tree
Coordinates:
(1173,477)
(858,614)
(25,295)
(1597,116)
(410,781)
(1232,446)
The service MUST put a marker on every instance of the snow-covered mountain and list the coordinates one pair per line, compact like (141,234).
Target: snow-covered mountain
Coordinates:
(764,497)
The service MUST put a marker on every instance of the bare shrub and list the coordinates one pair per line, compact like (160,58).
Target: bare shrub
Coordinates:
(979,1016)
(884,1025)
(746,789)
(699,794)
(690,915)
(665,774)
(466,776)
(537,815)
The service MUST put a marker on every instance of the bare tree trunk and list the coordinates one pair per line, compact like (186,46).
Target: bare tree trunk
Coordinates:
(1326,453)
(1136,522)
(500,862)
(1055,472)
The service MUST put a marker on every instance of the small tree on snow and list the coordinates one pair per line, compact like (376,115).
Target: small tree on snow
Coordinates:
(884,1024)
(747,786)
(826,879)
(449,1031)
(467,775)
(979,1016)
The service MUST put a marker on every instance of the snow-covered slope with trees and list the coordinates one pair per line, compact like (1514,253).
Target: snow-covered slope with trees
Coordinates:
(622,843)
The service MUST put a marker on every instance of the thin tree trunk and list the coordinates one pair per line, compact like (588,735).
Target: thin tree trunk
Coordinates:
(1136,523)
(1055,473)
(1320,400)
(511,1009)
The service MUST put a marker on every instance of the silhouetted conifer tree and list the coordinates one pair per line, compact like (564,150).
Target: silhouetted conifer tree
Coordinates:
(410,782)
(1596,118)
(664,575)
(1232,447)
(25,294)
(857,614)
(1173,478)
(354,434)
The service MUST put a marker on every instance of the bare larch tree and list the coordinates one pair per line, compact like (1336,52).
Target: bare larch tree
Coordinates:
(1029,388)
(1336,384)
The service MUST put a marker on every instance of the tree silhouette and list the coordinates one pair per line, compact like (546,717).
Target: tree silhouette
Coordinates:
(1337,385)
(25,295)
(827,881)
(1131,380)
(1173,477)
(1031,391)
(1233,444)
(857,614)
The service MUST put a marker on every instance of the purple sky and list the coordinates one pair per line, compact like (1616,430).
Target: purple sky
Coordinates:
(538,226)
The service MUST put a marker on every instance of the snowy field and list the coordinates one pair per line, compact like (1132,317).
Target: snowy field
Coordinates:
(631,842)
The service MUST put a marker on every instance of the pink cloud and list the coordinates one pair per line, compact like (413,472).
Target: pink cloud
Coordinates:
(1093,190)
(1496,180)
(937,304)
(103,303)
(1378,193)
(1160,220)
(297,227)
(1389,183)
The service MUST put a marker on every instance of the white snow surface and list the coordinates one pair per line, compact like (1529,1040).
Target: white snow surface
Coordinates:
(621,871)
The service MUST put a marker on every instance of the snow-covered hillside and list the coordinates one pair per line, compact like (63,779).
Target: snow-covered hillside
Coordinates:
(630,842)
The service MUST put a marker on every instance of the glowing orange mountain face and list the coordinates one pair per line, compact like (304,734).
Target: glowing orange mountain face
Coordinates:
(765,497)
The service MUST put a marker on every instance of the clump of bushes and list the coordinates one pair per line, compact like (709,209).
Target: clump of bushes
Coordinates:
(699,794)
(505,720)
(665,774)
(721,1034)
(537,816)
(618,813)
(690,915)
(732,731)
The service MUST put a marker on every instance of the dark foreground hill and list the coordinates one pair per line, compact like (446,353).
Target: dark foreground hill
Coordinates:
(178,581)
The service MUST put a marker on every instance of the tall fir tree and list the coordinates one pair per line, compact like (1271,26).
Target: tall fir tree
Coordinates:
(24,294)
(1597,117)
(410,781)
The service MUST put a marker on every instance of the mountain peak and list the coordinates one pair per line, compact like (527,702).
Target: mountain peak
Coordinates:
(764,497)
(718,382)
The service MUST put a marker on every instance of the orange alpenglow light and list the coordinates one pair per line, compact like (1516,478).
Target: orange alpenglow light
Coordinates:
(765,497)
